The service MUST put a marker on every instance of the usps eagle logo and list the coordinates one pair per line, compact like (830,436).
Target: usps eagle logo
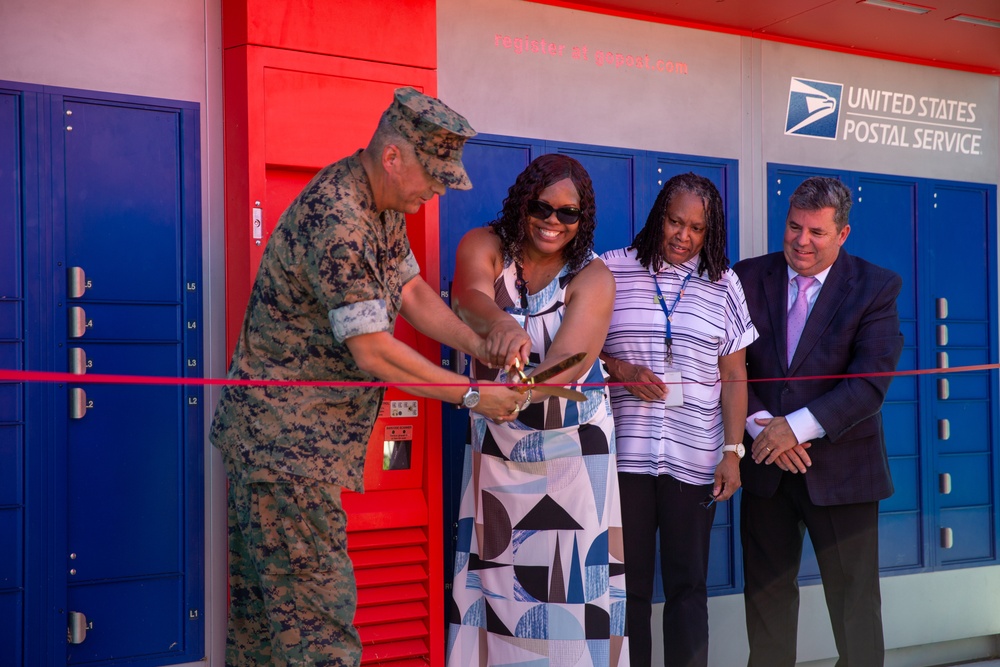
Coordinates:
(813,108)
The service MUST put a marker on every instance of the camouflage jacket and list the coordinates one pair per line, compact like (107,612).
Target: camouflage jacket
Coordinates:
(332,269)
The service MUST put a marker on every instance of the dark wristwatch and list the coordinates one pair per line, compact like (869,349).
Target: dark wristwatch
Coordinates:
(470,398)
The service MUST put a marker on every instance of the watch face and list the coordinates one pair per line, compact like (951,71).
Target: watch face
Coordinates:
(741,450)
(471,398)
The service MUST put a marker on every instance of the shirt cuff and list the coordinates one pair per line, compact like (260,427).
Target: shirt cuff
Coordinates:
(363,317)
(804,425)
(753,428)
(409,269)
(740,342)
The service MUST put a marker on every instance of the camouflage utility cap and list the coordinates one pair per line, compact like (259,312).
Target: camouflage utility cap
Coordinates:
(437,133)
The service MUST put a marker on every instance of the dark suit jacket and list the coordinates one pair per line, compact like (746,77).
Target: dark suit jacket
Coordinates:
(852,329)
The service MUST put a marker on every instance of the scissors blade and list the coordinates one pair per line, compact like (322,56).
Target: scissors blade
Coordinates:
(557,368)
(553,390)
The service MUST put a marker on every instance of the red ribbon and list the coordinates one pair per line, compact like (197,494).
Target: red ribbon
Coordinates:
(73,378)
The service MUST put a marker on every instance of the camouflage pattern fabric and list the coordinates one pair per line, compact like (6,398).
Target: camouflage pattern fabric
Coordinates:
(333,268)
(291,580)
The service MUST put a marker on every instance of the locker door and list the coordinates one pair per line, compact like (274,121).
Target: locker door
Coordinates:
(615,175)
(128,305)
(884,209)
(961,331)
(11,400)
(492,167)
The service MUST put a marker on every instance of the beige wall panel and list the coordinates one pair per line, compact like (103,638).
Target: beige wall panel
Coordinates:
(598,80)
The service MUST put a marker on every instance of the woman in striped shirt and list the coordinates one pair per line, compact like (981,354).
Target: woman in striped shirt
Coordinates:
(676,355)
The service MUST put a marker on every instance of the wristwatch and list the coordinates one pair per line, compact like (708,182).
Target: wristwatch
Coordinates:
(470,398)
(738,448)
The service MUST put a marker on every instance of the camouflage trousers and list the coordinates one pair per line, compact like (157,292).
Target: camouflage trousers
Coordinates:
(291,582)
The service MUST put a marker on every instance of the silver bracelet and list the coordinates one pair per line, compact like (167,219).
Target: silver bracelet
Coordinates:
(527,402)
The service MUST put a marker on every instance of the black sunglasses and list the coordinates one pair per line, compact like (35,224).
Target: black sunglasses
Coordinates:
(568,215)
(708,502)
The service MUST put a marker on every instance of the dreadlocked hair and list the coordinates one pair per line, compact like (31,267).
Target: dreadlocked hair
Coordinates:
(648,243)
(544,171)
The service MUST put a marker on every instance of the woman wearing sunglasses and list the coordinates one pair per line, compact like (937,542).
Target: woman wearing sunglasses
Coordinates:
(676,352)
(538,566)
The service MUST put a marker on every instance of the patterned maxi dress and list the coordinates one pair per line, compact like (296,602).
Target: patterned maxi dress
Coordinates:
(539,573)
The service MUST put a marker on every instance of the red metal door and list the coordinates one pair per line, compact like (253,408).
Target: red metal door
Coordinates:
(288,114)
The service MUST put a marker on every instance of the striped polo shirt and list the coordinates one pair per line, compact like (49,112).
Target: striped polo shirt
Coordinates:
(710,320)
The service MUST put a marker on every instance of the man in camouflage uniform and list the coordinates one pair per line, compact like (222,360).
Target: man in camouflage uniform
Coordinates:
(336,272)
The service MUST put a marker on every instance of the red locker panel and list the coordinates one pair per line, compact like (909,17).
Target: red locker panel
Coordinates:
(287,115)
(402,32)
(290,111)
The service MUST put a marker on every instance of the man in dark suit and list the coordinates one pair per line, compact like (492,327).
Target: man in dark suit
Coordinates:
(818,456)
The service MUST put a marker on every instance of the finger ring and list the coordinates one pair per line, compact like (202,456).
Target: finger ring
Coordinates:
(768,449)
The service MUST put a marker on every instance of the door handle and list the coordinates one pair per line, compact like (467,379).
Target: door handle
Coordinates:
(942,308)
(944,429)
(77,403)
(943,389)
(77,322)
(76,282)
(944,483)
(942,334)
(76,631)
(77,361)
(947,538)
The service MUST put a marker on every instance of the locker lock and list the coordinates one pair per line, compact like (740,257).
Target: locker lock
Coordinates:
(258,223)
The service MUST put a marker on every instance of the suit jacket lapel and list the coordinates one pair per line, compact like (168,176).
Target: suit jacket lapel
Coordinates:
(776,297)
(835,290)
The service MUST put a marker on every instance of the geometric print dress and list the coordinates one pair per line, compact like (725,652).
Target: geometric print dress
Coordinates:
(539,570)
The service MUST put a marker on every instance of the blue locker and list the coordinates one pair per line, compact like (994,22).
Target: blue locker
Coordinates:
(616,176)
(886,208)
(941,430)
(12,583)
(130,468)
(963,407)
(113,533)
(122,186)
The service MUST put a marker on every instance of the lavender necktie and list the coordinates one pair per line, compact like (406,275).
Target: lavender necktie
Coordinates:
(798,314)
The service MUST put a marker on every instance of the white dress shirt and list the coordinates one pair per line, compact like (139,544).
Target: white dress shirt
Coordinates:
(802,422)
